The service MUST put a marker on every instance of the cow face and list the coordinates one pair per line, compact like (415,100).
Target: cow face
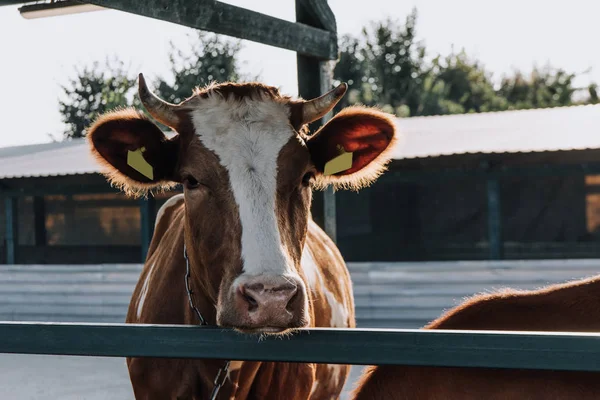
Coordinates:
(248,168)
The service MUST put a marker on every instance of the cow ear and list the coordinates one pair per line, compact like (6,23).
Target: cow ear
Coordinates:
(136,154)
(352,149)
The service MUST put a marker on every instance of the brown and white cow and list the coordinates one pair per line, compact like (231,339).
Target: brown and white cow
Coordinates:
(258,262)
(568,307)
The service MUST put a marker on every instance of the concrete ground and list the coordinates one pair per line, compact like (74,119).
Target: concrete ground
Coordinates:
(33,377)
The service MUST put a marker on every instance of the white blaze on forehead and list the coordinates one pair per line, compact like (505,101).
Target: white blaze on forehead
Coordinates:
(247,136)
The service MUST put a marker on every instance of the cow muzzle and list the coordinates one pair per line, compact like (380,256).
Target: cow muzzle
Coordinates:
(265,304)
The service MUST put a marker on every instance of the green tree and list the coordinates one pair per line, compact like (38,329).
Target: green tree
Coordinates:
(208,59)
(95,89)
(384,66)
(593,93)
(460,85)
(100,88)
(350,68)
(543,87)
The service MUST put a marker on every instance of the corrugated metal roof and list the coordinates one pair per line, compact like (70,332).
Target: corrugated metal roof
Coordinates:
(53,159)
(552,129)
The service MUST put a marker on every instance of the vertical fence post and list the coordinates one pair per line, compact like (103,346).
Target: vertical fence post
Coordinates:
(10,210)
(315,77)
(329,201)
(494,213)
(147,217)
(39,217)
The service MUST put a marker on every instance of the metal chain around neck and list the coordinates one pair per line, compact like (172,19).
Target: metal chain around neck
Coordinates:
(190,293)
(223,371)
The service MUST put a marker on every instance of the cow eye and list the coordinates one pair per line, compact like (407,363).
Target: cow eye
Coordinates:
(307,178)
(191,182)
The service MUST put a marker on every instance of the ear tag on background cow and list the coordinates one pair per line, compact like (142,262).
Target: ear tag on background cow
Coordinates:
(339,163)
(137,162)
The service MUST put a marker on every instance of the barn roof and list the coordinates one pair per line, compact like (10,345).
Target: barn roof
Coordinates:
(538,130)
(541,130)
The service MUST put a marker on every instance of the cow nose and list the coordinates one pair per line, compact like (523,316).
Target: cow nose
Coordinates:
(270,302)
(261,296)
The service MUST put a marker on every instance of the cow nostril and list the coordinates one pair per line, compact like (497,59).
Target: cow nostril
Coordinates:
(286,289)
(251,302)
(290,304)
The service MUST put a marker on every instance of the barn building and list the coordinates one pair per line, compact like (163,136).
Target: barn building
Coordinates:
(504,185)
(470,203)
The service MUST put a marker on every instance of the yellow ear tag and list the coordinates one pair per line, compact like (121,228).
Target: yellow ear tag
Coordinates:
(137,162)
(339,163)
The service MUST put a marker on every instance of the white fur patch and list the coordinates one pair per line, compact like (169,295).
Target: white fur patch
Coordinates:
(314,387)
(339,313)
(144,291)
(336,373)
(309,266)
(169,203)
(233,366)
(247,136)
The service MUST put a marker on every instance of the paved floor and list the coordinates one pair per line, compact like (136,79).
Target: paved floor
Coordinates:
(32,377)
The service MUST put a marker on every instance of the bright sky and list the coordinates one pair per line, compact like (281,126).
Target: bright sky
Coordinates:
(36,56)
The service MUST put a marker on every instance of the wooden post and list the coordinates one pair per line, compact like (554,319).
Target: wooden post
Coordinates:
(147,217)
(315,77)
(494,219)
(39,216)
(12,238)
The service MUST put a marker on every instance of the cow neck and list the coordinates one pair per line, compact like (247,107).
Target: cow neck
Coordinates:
(224,370)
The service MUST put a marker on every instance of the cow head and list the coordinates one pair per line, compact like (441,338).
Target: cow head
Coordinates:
(247,166)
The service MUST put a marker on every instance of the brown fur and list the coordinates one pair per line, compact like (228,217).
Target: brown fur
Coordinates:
(287,380)
(207,220)
(241,91)
(571,307)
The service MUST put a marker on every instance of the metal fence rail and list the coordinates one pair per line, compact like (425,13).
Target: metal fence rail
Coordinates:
(492,349)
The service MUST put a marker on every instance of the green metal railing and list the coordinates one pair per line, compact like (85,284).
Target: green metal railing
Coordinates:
(488,349)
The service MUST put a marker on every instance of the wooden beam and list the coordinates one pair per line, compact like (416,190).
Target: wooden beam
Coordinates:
(147,218)
(14,2)
(320,13)
(226,19)
(315,78)
(329,198)
(559,351)
(12,233)
(39,220)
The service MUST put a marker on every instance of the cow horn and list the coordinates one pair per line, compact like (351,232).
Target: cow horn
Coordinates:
(160,110)
(314,109)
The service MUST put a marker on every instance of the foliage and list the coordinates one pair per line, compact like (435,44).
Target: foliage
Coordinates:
(384,66)
(209,59)
(546,87)
(387,67)
(97,89)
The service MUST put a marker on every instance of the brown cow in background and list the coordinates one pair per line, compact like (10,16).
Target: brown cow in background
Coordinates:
(567,307)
